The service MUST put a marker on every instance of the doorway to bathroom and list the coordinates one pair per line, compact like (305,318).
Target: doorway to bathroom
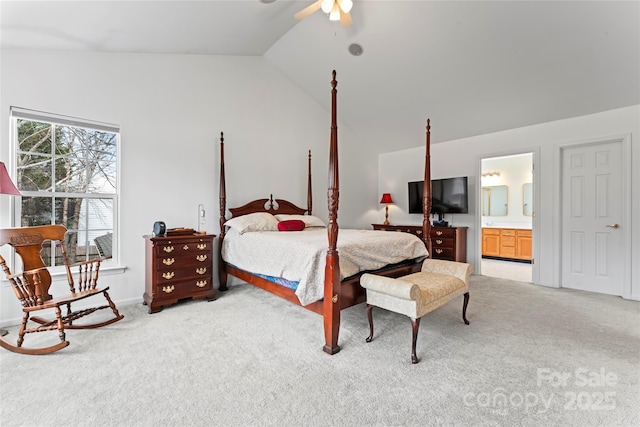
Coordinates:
(507,212)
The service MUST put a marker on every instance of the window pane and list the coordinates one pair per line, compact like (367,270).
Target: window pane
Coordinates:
(34,172)
(89,160)
(34,136)
(104,181)
(99,214)
(36,211)
(48,248)
(76,250)
(68,212)
(102,243)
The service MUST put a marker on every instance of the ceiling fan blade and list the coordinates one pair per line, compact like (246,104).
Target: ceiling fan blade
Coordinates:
(345,19)
(308,10)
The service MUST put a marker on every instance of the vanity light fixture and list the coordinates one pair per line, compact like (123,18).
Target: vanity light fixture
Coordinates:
(490,173)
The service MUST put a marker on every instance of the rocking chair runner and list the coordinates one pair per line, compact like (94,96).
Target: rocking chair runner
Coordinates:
(32,286)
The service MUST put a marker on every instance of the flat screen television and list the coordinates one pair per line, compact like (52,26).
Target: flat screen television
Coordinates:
(448,195)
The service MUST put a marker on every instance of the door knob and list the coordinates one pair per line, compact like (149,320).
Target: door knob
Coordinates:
(613,226)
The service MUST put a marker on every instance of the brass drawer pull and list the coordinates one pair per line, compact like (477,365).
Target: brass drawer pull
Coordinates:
(439,251)
(185,247)
(201,283)
(418,232)
(438,241)
(201,257)
(168,289)
(168,249)
(168,261)
(439,233)
(202,246)
(201,270)
(168,275)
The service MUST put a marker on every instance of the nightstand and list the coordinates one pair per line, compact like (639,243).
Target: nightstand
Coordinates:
(178,267)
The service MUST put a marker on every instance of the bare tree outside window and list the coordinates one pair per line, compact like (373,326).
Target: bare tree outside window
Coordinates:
(67,175)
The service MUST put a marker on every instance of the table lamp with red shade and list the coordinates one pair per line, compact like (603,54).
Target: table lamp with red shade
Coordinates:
(386,200)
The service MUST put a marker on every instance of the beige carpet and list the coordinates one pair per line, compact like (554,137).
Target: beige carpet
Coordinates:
(531,356)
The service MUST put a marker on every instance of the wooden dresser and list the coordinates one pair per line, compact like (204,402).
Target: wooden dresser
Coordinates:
(178,267)
(448,243)
(510,243)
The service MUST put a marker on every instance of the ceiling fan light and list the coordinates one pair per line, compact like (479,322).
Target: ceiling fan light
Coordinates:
(327,5)
(346,5)
(335,13)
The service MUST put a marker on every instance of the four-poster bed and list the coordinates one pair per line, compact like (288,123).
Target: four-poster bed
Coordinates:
(338,291)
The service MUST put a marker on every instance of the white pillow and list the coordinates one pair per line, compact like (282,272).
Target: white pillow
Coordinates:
(258,221)
(309,220)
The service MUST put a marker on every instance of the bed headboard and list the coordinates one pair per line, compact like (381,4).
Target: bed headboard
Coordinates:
(277,206)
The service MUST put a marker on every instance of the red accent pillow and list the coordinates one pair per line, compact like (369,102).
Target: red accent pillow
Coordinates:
(291,225)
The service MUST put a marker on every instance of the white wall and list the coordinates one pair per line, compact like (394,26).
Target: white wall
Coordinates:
(171,109)
(462,158)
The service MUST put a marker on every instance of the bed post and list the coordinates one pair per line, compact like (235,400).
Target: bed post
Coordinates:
(309,193)
(223,208)
(331,303)
(426,192)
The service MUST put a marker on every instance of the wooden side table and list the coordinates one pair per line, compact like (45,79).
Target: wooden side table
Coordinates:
(178,267)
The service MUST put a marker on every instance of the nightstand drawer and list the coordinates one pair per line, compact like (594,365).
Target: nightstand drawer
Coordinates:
(449,232)
(442,253)
(184,288)
(442,242)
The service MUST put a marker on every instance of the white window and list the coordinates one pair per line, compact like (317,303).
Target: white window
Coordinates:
(67,172)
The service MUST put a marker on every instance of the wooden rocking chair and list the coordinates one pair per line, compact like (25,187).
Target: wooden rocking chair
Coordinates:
(32,286)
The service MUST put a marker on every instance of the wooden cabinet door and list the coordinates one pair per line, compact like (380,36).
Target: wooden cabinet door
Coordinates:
(523,244)
(490,242)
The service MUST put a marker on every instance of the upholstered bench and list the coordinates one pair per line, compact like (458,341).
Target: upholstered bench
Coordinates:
(419,293)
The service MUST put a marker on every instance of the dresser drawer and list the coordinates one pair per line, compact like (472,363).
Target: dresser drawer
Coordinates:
(166,263)
(443,232)
(446,242)
(441,242)
(443,253)
(177,248)
(183,288)
(182,273)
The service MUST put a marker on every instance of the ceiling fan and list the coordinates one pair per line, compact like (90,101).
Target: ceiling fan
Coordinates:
(338,10)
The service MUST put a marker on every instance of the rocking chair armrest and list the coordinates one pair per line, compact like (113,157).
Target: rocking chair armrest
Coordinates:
(28,274)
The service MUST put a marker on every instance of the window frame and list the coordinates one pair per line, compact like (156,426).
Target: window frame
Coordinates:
(16,113)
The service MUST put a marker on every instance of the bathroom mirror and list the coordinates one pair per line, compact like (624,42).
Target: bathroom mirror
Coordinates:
(494,200)
(527,199)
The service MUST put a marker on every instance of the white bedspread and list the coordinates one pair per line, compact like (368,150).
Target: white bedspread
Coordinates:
(300,255)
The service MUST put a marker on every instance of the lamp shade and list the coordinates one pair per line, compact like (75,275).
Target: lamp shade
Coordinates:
(386,198)
(6,185)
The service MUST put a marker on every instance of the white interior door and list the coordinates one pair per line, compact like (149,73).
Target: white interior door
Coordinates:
(592,213)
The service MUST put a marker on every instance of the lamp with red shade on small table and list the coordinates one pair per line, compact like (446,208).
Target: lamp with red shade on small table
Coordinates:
(386,200)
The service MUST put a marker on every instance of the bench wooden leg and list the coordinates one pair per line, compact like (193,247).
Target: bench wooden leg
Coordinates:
(370,317)
(464,308)
(415,324)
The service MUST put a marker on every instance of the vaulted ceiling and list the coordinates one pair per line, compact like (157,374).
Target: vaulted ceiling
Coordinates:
(473,67)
